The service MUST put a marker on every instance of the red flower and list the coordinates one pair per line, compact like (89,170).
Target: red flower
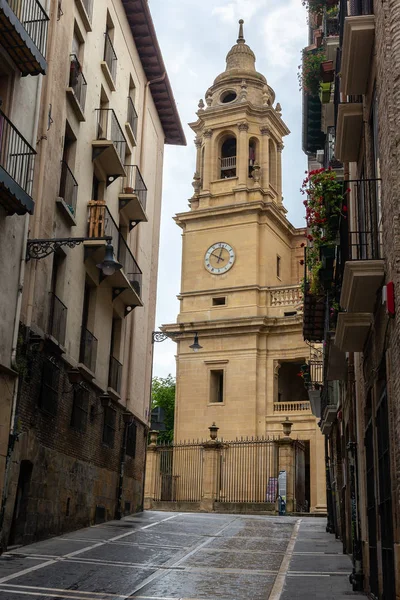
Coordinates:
(302,245)
(302,262)
(344,208)
(348,190)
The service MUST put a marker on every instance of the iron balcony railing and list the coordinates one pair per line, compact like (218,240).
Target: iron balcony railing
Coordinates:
(132,116)
(16,155)
(110,57)
(331,26)
(34,19)
(133,184)
(329,155)
(108,128)
(101,225)
(115,374)
(77,80)
(57,319)
(68,187)
(88,350)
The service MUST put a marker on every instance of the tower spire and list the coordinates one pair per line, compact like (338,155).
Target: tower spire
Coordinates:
(240,39)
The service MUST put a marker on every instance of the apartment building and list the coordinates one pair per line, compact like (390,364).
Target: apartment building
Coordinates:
(88,304)
(353,305)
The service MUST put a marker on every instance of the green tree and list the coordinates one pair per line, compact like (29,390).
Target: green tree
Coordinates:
(163,396)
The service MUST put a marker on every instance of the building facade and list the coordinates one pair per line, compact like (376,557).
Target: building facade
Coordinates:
(240,276)
(360,288)
(77,451)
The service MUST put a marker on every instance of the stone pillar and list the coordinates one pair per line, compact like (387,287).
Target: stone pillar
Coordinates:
(242,155)
(210,470)
(286,449)
(207,160)
(279,148)
(198,143)
(264,156)
(152,470)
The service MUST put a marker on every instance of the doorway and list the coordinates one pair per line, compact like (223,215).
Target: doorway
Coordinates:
(21,504)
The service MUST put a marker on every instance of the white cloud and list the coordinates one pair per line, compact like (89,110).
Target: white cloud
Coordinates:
(238,9)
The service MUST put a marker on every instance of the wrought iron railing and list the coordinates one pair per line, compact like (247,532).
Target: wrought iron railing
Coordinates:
(115,374)
(16,155)
(68,187)
(316,372)
(331,26)
(88,350)
(109,56)
(329,158)
(34,19)
(57,319)
(180,474)
(133,184)
(132,116)
(101,225)
(77,80)
(292,406)
(108,128)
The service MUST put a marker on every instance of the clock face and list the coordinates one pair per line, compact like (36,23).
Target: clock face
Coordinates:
(219,258)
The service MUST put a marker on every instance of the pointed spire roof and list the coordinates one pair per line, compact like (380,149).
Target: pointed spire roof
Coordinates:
(240,56)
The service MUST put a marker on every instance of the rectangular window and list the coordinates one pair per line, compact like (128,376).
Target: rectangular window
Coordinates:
(48,398)
(217,386)
(80,409)
(278,266)
(110,417)
(219,301)
(131,440)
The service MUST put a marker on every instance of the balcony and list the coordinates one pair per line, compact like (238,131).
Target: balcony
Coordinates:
(329,406)
(57,320)
(109,64)
(23,34)
(88,351)
(228,167)
(76,90)
(85,9)
(133,196)
(314,317)
(330,159)
(358,35)
(114,378)
(131,122)
(292,407)
(352,331)
(16,170)
(68,194)
(127,282)
(349,130)
(108,149)
(289,295)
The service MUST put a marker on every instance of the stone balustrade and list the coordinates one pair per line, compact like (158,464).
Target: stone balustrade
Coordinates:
(289,295)
(290,407)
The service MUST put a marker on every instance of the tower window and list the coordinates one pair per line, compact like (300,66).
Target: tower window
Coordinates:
(228,96)
(278,266)
(228,158)
(221,301)
(216,386)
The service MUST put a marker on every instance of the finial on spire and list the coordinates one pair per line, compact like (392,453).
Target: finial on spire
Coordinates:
(241,37)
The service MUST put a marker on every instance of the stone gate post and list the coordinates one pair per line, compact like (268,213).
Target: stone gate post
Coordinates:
(152,469)
(210,470)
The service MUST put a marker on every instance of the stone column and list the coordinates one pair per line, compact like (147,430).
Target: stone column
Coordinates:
(242,155)
(197,143)
(207,160)
(286,463)
(152,470)
(210,470)
(279,148)
(264,156)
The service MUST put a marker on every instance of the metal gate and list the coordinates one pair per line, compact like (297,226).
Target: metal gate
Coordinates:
(248,471)
(300,477)
(180,473)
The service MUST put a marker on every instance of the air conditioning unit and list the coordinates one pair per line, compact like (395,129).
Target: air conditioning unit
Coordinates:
(320,156)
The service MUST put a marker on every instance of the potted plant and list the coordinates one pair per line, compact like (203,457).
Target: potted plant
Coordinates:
(325,93)
(128,190)
(309,72)
(327,71)
(318,6)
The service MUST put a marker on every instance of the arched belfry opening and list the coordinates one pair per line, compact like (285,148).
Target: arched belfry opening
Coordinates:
(253,154)
(272,164)
(228,157)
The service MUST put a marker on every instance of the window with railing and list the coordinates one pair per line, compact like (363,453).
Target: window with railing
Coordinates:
(115,374)
(16,155)
(131,440)
(48,398)
(57,319)
(133,184)
(108,128)
(80,409)
(34,19)
(77,80)
(109,426)
(228,158)
(110,58)
(68,187)
(132,116)
(88,350)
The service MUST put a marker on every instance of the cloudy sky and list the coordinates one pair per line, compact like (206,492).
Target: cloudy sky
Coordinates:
(195,36)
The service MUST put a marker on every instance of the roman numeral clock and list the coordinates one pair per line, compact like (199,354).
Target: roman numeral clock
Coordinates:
(219,258)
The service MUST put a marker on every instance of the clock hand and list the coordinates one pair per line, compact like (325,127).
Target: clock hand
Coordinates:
(218,256)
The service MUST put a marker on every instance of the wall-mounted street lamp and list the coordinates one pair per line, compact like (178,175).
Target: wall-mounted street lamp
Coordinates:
(159,336)
(40,248)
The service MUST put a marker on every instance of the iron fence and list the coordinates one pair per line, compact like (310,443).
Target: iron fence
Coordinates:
(88,350)
(34,19)
(115,374)
(68,187)
(109,56)
(57,319)
(180,473)
(132,116)
(108,128)
(133,183)
(16,155)
(77,80)
(248,471)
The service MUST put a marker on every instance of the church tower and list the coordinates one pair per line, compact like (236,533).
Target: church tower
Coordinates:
(241,273)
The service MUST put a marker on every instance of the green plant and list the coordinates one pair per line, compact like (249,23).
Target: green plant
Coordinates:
(163,396)
(309,74)
(318,6)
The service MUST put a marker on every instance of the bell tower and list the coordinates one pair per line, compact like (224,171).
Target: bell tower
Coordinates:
(241,272)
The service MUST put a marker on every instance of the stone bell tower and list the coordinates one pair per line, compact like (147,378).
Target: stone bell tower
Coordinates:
(240,276)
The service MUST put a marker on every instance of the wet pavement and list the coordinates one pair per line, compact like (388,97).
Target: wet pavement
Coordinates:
(186,556)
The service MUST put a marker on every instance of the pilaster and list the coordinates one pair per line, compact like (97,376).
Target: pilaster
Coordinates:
(242,159)
(264,158)
(207,160)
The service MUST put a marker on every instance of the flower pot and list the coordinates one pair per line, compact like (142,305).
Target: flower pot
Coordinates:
(128,190)
(327,71)
(325,93)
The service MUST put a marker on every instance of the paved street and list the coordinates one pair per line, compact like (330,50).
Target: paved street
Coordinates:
(171,556)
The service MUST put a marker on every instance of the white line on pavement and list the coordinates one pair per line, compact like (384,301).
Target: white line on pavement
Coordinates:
(280,578)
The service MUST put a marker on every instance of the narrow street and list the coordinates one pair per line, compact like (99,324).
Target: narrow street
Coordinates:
(171,556)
